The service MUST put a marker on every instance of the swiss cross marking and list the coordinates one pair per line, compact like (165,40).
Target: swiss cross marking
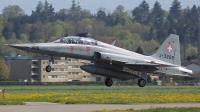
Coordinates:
(169,48)
(71,48)
(88,48)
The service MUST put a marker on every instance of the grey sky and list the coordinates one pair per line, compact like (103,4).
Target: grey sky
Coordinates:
(93,5)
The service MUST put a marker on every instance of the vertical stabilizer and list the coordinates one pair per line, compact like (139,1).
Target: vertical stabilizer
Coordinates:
(169,51)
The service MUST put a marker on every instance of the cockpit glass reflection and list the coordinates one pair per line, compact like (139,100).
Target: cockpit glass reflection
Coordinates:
(77,40)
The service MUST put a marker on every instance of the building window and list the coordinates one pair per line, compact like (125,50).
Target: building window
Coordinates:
(62,63)
(62,76)
(43,76)
(69,59)
(74,66)
(53,76)
(55,69)
(35,63)
(76,73)
(86,77)
(49,76)
(55,62)
(69,66)
(35,70)
(62,69)
(69,73)
(43,62)
(76,60)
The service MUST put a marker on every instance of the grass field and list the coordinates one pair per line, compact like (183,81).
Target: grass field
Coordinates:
(97,88)
(99,94)
(191,109)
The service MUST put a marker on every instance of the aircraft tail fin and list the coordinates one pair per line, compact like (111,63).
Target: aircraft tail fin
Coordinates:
(169,51)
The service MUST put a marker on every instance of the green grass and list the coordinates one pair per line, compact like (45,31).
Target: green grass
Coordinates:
(97,88)
(190,109)
(88,89)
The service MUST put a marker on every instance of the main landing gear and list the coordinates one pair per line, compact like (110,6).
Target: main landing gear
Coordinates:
(108,82)
(48,67)
(142,80)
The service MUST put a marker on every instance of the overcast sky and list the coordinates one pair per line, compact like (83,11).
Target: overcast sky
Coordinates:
(93,5)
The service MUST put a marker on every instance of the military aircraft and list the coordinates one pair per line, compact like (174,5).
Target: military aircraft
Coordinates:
(111,61)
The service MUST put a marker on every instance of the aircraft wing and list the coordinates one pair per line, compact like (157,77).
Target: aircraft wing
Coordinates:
(127,60)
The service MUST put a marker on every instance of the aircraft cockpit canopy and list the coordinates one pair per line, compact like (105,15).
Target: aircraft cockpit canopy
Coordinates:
(76,40)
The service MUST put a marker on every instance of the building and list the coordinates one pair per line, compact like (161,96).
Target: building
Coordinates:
(193,65)
(33,70)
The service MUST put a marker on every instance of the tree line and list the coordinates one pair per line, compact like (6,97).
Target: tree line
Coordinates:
(138,27)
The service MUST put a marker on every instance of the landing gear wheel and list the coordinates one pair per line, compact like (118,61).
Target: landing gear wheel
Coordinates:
(108,82)
(141,82)
(48,68)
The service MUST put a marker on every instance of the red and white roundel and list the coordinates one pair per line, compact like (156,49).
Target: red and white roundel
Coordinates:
(169,48)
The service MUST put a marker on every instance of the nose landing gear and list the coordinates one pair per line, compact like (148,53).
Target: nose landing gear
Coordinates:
(48,67)
(141,82)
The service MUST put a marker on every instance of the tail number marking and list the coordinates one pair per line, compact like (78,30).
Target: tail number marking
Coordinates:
(167,56)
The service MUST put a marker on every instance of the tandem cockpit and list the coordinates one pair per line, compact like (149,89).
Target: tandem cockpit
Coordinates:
(76,40)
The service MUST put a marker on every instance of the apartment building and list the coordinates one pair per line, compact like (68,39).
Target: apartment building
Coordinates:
(33,70)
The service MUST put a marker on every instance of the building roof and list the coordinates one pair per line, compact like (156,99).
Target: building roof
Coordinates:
(21,58)
(194,61)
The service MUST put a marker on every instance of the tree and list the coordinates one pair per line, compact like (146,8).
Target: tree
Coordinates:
(2,45)
(48,12)
(141,13)
(139,50)
(59,28)
(24,38)
(175,19)
(175,9)
(37,32)
(62,14)
(156,17)
(120,8)
(75,11)
(2,23)
(39,8)
(7,31)
(101,15)
(12,11)
(4,70)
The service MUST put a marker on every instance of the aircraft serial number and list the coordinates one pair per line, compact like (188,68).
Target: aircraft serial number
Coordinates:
(167,56)
(35,48)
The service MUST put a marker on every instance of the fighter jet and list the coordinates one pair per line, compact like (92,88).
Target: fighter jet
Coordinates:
(111,61)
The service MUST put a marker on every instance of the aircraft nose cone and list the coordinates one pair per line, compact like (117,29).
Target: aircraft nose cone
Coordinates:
(18,46)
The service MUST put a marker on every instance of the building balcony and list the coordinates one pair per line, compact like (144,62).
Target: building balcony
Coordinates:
(34,66)
(34,80)
(33,73)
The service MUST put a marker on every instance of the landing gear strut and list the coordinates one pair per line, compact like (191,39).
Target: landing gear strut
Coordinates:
(108,82)
(48,67)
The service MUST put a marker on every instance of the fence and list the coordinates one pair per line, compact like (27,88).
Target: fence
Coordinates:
(18,87)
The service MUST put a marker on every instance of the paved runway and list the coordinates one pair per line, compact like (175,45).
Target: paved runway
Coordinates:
(54,107)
